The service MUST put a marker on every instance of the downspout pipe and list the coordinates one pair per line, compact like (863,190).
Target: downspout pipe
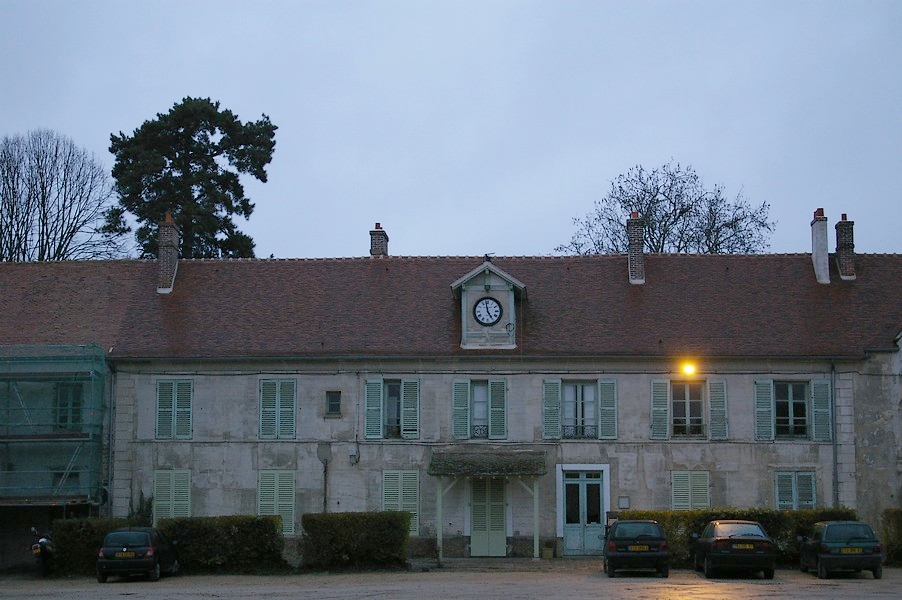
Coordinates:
(835,436)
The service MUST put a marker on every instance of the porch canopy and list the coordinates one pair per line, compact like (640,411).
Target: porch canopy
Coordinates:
(509,463)
(500,463)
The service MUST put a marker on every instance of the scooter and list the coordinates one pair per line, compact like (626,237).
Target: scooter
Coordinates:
(42,549)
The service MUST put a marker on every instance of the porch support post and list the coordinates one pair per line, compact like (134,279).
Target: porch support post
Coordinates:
(440,520)
(535,517)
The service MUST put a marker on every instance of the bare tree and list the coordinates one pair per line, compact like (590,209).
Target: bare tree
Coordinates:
(53,200)
(679,214)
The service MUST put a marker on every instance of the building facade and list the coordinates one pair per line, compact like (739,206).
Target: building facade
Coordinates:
(504,402)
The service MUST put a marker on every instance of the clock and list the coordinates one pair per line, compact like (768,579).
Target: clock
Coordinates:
(487,311)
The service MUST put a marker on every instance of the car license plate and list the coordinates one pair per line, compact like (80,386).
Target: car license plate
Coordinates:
(642,548)
(125,555)
(743,546)
(850,550)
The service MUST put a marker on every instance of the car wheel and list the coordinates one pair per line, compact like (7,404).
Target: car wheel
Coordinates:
(878,572)
(708,568)
(802,566)
(174,569)
(769,573)
(821,570)
(609,568)
(154,574)
(664,572)
(101,577)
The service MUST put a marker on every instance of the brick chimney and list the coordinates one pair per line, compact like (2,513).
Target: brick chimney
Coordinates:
(635,233)
(845,249)
(378,241)
(819,254)
(168,254)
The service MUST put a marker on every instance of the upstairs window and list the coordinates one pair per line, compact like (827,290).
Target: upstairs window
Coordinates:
(277,408)
(479,409)
(333,404)
(67,406)
(793,410)
(579,409)
(392,408)
(174,399)
(689,409)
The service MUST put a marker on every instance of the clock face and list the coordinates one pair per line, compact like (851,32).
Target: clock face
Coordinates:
(487,311)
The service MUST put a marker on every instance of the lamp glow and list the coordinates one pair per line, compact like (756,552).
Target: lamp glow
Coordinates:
(689,369)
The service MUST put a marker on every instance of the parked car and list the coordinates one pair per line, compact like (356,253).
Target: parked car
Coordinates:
(632,545)
(136,551)
(735,545)
(841,546)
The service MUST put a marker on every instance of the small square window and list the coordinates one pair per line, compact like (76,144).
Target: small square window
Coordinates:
(333,404)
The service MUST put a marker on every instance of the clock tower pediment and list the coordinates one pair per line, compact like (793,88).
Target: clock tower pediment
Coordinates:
(488,307)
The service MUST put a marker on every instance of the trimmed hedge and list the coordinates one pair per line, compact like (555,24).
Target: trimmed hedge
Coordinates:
(240,544)
(784,526)
(892,535)
(356,540)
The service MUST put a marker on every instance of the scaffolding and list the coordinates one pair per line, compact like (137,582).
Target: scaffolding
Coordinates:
(51,424)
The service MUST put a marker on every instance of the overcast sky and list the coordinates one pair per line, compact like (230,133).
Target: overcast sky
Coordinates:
(474,127)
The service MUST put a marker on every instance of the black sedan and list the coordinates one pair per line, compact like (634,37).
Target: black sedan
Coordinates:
(136,551)
(735,545)
(841,546)
(631,545)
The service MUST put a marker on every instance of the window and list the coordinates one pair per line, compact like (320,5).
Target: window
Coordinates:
(579,409)
(479,409)
(401,491)
(793,410)
(689,490)
(333,404)
(678,409)
(174,409)
(392,408)
(171,494)
(275,496)
(794,490)
(277,407)
(67,406)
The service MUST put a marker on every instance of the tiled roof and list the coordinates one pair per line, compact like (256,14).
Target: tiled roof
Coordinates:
(704,305)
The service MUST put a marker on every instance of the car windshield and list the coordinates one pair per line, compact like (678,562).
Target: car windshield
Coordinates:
(848,531)
(739,530)
(127,538)
(635,530)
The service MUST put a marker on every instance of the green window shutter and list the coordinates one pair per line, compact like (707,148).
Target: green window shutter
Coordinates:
(268,409)
(764,410)
(783,486)
(373,409)
(183,393)
(391,490)
(699,490)
(551,409)
(165,407)
(660,409)
(410,498)
(717,407)
(181,494)
(275,496)
(162,495)
(681,498)
(410,409)
(821,415)
(607,409)
(805,490)
(460,409)
(286,409)
(497,409)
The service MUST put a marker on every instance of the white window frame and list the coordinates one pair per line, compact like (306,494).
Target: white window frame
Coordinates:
(171,494)
(278,399)
(820,411)
(465,397)
(276,496)
(401,492)
(174,407)
(375,398)
(715,414)
(553,408)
